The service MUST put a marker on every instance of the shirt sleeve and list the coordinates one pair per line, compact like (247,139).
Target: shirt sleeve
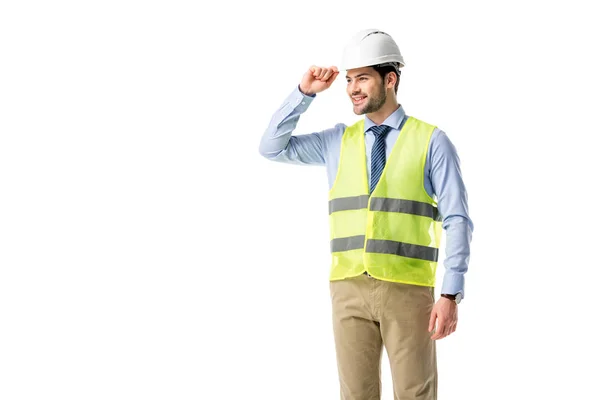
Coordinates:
(452,199)
(278,143)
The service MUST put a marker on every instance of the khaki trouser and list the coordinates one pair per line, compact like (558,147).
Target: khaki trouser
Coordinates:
(368,314)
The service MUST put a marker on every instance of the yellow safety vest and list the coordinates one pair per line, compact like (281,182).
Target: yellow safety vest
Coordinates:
(394,234)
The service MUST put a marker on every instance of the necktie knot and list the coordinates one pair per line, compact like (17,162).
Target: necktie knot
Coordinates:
(380,130)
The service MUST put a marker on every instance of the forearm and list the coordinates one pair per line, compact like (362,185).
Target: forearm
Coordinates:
(458,251)
(277,142)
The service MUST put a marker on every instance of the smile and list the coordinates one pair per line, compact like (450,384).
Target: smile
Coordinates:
(358,99)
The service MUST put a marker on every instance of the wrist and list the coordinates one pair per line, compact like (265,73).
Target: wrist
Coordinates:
(453,297)
(305,91)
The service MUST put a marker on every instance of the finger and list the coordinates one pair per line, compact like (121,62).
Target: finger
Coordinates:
(327,75)
(441,328)
(323,72)
(431,321)
(332,77)
(330,81)
(437,335)
(447,330)
(452,327)
(316,72)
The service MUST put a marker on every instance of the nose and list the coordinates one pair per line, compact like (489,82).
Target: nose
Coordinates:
(353,88)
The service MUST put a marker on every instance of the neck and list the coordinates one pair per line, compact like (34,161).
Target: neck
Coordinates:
(386,110)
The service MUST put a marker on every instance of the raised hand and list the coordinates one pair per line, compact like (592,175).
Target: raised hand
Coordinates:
(317,79)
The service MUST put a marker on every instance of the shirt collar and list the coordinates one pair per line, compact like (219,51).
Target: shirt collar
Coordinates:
(394,120)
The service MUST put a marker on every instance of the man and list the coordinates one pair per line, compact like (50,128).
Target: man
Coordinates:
(384,172)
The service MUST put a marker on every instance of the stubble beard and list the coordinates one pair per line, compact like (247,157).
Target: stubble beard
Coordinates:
(374,103)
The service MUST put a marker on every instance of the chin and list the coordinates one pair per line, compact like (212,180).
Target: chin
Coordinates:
(358,111)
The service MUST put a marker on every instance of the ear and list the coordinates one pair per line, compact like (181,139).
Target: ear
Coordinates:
(391,80)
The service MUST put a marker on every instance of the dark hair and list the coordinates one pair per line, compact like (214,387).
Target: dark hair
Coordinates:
(384,69)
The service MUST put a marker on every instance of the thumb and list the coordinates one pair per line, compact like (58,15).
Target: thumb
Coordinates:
(432,320)
(332,78)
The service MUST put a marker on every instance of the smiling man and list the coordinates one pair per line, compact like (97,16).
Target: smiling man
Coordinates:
(395,185)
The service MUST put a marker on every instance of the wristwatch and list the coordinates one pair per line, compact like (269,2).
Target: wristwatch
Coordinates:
(456,297)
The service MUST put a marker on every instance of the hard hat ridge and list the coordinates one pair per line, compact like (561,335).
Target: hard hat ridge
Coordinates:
(370,47)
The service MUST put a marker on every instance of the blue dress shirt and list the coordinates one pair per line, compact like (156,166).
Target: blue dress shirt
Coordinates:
(443,177)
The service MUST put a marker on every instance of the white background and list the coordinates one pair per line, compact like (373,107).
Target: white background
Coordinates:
(147,250)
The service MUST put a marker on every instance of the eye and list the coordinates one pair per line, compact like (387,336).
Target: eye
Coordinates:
(362,78)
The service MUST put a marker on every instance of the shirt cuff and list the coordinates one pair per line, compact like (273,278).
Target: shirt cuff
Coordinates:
(453,283)
(312,96)
(297,102)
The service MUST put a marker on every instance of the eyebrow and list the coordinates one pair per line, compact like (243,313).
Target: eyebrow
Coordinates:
(359,75)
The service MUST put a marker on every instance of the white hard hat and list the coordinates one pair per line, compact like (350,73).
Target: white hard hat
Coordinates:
(371,47)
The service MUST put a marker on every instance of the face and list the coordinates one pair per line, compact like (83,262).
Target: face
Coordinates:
(366,90)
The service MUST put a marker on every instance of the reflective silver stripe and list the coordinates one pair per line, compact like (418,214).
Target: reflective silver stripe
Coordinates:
(402,249)
(348,243)
(348,203)
(405,206)
(385,247)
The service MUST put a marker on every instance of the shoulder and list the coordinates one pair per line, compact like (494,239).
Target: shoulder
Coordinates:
(335,131)
(357,126)
(332,135)
(439,138)
(442,148)
(421,123)
(440,145)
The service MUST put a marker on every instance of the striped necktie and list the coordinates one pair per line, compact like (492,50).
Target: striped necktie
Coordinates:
(378,153)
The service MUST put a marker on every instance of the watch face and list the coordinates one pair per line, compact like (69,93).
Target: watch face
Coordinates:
(458,298)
